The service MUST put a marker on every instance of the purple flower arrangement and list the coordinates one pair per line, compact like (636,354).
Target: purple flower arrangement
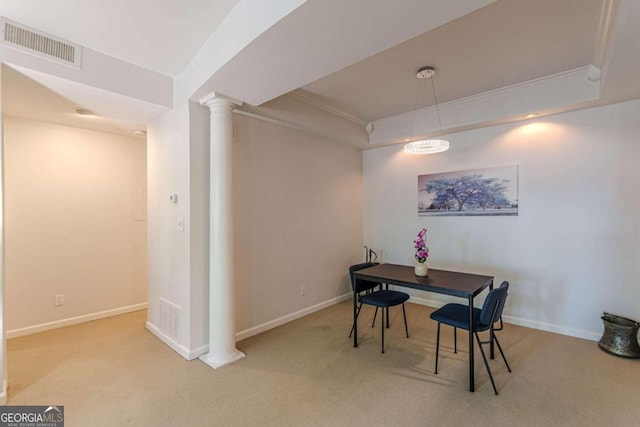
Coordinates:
(422,251)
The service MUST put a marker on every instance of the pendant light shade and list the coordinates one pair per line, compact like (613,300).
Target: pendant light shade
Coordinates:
(427,146)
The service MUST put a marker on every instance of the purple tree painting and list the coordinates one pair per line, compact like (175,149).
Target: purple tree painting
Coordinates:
(491,191)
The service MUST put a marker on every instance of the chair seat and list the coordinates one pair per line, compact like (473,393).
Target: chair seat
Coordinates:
(457,315)
(384,298)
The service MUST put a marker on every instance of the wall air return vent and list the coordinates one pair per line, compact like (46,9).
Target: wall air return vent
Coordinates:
(26,39)
(170,319)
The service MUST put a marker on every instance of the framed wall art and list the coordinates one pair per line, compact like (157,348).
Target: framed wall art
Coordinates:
(475,192)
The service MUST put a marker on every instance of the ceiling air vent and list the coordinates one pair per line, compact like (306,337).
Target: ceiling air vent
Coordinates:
(41,44)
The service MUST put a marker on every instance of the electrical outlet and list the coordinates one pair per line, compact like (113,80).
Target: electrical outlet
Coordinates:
(303,289)
(59,300)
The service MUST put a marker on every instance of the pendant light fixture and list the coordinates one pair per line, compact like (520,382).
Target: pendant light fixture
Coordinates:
(427,146)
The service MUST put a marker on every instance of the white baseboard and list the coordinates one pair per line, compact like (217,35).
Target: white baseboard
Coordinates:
(74,320)
(534,324)
(562,330)
(424,301)
(191,354)
(197,352)
(173,344)
(290,317)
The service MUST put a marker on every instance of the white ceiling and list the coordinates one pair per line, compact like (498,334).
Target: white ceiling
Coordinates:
(22,96)
(160,35)
(321,37)
(505,43)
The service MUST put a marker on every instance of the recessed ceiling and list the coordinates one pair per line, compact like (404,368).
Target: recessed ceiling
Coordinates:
(24,97)
(507,42)
(160,35)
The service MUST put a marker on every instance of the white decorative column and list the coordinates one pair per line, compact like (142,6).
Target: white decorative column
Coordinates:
(222,344)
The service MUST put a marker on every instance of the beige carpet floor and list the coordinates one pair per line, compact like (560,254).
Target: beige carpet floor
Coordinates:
(306,373)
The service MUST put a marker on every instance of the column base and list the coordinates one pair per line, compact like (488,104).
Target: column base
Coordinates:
(216,363)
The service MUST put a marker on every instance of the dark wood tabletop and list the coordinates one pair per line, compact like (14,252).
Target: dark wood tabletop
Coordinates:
(440,281)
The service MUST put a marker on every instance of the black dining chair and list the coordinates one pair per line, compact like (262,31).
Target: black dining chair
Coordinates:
(457,315)
(382,298)
(364,287)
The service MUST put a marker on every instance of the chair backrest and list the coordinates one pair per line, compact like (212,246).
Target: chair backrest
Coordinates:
(493,304)
(361,285)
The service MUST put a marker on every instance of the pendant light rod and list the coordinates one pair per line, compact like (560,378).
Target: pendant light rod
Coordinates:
(429,146)
(429,72)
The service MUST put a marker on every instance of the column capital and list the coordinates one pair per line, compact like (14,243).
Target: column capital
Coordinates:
(218,99)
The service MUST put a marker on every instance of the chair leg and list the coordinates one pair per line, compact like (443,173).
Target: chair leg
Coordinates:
(374,317)
(486,364)
(357,314)
(404,313)
(382,324)
(455,339)
(502,353)
(387,308)
(437,348)
(491,352)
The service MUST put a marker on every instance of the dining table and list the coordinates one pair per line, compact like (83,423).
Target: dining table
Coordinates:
(453,283)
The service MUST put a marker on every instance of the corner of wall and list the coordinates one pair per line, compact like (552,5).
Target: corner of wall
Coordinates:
(169,271)
(199,224)
(173,344)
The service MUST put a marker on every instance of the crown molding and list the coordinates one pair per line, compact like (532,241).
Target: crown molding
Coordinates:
(503,104)
(281,120)
(309,98)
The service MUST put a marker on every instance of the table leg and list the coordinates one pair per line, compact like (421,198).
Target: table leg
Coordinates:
(386,286)
(471,328)
(491,345)
(355,319)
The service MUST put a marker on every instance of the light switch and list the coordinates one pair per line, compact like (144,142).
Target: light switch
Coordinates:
(180,224)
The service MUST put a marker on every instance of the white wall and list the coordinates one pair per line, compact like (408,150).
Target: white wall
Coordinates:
(100,71)
(168,171)
(574,249)
(75,223)
(298,221)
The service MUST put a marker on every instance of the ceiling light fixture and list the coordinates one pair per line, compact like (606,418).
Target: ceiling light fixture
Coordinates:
(531,115)
(427,146)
